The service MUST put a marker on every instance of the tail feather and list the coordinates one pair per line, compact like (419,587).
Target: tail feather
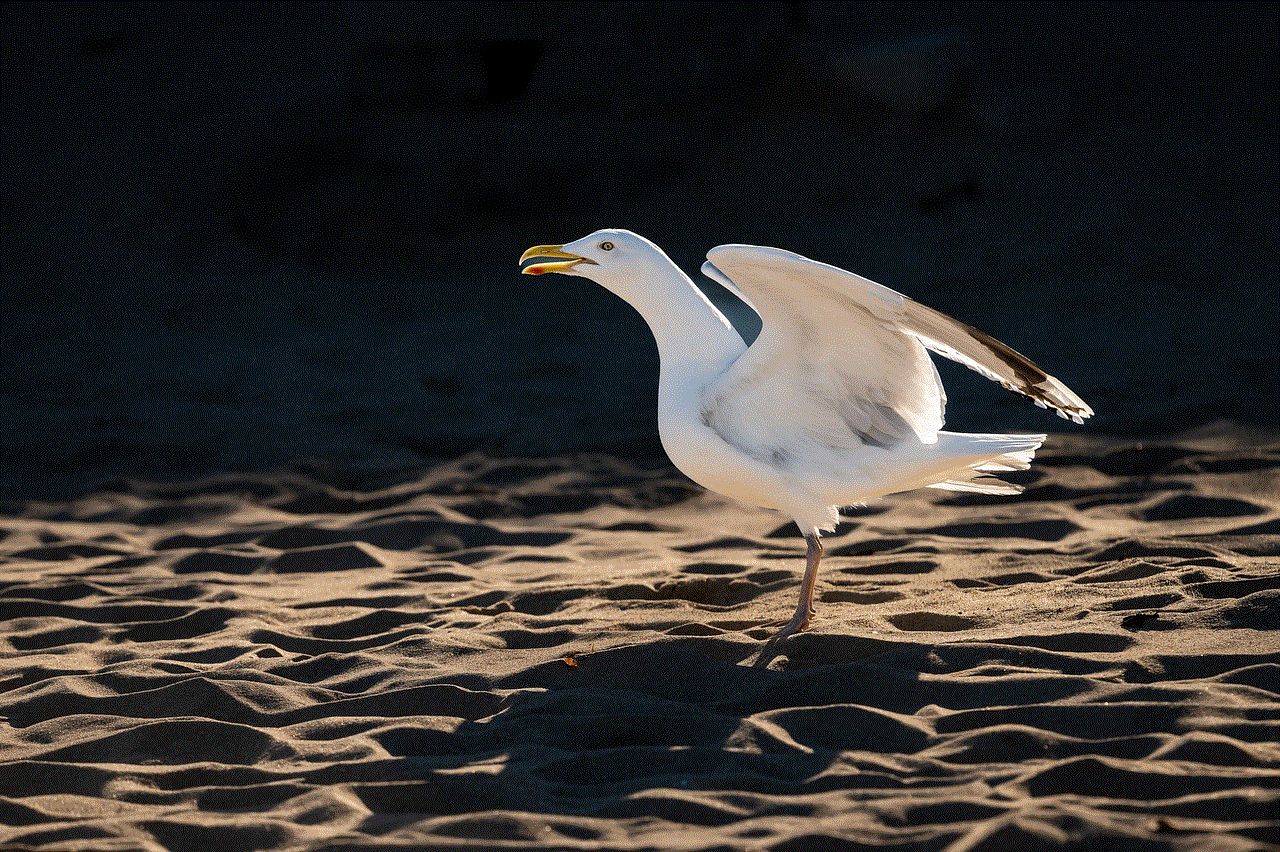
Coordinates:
(978,483)
(1007,452)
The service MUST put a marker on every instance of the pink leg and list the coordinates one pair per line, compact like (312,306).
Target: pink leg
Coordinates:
(804,611)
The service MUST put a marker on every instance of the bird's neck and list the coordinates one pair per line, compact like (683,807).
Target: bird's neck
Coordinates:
(690,332)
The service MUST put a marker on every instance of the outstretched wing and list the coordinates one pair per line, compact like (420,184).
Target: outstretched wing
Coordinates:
(840,361)
(984,354)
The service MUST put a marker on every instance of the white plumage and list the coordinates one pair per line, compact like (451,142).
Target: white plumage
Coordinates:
(836,402)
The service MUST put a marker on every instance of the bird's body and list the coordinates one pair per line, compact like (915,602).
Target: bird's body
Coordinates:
(835,403)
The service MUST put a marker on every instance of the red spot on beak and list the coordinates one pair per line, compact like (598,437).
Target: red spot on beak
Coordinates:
(534,270)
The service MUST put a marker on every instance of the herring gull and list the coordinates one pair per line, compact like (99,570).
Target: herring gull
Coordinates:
(835,403)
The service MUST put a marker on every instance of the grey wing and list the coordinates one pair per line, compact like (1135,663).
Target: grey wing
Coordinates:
(779,283)
(986,355)
(831,373)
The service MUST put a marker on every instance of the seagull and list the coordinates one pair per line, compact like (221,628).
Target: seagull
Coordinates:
(835,403)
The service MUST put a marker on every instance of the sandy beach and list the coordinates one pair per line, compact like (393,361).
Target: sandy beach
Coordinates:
(499,653)
(322,528)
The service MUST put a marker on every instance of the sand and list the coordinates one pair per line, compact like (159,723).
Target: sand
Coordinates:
(499,653)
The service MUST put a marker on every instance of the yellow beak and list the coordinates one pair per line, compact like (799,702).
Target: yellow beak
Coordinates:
(551,265)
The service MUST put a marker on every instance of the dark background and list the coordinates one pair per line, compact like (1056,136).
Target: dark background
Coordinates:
(237,236)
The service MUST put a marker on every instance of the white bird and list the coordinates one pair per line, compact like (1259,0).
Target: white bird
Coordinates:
(835,403)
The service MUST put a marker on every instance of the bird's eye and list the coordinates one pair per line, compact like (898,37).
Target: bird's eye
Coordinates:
(606,246)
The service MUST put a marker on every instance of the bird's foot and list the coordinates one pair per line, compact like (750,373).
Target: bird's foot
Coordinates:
(785,622)
(798,622)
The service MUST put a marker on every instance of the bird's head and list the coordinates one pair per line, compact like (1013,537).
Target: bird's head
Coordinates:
(612,257)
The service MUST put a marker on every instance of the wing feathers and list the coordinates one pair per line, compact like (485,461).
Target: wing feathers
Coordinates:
(709,270)
(986,355)
(776,280)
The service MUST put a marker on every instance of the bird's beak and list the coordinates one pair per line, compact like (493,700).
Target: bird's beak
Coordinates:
(551,265)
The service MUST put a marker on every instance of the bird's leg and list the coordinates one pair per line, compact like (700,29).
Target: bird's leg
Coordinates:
(804,610)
